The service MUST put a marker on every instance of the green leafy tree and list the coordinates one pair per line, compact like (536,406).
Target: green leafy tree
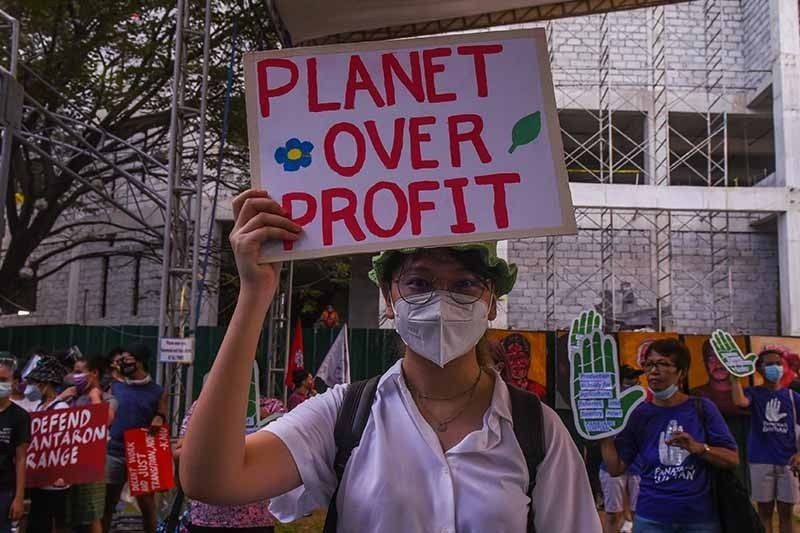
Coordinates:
(97,77)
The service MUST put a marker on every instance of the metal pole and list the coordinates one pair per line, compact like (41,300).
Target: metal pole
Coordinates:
(198,200)
(14,45)
(288,329)
(14,23)
(8,130)
(5,166)
(165,326)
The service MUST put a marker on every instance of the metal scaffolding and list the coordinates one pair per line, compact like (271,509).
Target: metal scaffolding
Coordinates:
(178,316)
(659,161)
(279,327)
(716,150)
(608,154)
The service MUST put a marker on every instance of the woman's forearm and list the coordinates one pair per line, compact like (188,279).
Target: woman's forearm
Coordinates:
(737,393)
(213,451)
(721,457)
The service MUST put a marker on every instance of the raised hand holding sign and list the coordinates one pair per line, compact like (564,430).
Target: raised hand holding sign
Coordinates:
(730,355)
(599,406)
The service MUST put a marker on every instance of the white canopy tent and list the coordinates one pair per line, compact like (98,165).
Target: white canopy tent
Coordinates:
(316,22)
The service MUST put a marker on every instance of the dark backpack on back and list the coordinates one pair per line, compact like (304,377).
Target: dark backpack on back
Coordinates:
(526,413)
(729,495)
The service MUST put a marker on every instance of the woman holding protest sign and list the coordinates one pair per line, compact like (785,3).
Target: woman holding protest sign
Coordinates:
(675,440)
(772,451)
(48,510)
(87,501)
(472,460)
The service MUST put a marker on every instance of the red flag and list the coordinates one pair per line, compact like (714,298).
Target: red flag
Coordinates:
(295,354)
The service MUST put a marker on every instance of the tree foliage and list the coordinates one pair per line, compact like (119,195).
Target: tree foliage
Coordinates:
(97,77)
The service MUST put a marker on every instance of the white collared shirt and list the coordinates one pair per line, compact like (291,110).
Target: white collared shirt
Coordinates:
(400,480)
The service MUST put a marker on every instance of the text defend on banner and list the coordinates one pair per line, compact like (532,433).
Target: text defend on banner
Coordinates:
(149,460)
(176,350)
(414,142)
(67,446)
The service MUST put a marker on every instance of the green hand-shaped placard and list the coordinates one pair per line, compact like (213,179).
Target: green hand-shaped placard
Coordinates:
(599,407)
(586,323)
(731,356)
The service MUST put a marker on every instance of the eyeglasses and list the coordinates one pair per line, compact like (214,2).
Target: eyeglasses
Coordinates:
(661,365)
(418,289)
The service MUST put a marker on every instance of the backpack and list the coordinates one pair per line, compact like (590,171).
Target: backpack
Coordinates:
(526,414)
(729,495)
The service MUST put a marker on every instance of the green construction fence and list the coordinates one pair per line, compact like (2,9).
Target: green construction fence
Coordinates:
(371,350)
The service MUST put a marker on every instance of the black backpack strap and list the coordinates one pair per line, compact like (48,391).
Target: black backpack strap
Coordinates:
(528,419)
(701,412)
(350,424)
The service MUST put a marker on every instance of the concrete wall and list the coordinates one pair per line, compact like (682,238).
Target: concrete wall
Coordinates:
(73,295)
(119,292)
(754,267)
(757,42)
(742,44)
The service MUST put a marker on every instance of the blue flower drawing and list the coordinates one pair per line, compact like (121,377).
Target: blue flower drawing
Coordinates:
(294,155)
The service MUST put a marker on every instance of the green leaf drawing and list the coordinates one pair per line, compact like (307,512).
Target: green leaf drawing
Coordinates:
(525,130)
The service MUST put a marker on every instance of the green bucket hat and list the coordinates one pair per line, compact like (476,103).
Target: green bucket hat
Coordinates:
(502,273)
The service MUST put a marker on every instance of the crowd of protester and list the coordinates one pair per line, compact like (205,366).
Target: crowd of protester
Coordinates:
(658,473)
(650,479)
(50,381)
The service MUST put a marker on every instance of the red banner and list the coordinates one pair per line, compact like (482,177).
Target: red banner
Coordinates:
(68,446)
(149,459)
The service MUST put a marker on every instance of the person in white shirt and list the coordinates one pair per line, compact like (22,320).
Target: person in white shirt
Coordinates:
(438,452)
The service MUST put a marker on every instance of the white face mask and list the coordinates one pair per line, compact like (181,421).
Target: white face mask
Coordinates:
(441,330)
(665,394)
(33,393)
(5,390)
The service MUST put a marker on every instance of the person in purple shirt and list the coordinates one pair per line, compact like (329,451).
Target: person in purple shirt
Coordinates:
(772,443)
(672,448)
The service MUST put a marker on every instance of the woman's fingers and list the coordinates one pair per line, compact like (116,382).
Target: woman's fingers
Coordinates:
(267,233)
(239,201)
(268,219)
(680,439)
(254,206)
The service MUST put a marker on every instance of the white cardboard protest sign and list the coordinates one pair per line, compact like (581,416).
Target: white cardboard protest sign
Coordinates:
(417,142)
